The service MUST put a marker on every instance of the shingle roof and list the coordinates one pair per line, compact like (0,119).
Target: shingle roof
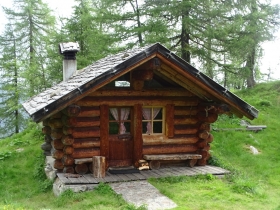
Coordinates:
(47,102)
(82,76)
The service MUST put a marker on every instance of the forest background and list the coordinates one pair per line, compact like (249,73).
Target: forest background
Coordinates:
(223,39)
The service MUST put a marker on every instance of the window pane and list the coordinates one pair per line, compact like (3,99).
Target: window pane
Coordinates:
(113,128)
(127,127)
(157,127)
(147,114)
(144,127)
(159,115)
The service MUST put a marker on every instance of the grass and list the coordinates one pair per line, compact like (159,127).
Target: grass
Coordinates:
(254,181)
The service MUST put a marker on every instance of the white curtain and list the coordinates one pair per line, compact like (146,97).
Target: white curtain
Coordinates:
(147,114)
(124,116)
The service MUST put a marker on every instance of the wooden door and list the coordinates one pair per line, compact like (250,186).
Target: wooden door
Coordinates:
(120,150)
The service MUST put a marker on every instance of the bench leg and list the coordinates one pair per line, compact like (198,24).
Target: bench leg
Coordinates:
(191,163)
(154,164)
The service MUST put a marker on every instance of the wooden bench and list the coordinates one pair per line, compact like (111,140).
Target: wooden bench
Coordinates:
(154,160)
(83,160)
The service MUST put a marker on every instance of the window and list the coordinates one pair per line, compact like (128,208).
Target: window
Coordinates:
(152,120)
(119,120)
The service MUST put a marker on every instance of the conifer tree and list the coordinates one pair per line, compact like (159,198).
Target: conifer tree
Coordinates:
(11,114)
(31,21)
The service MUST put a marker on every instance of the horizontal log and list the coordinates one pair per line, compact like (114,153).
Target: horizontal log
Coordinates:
(56,115)
(85,153)
(185,129)
(201,143)
(143,92)
(46,130)
(55,123)
(168,149)
(86,143)
(163,140)
(68,150)
(85,132)
(205,126)
(57,164)
(67,139)
(207,147)
(203,134)
(57,144)
(82,111)
(68,160)
(80,121)
(56,133)
(179,120)
(57,154)
(130,101)
(207,117)
(72,110)
(210,138)
(185,110)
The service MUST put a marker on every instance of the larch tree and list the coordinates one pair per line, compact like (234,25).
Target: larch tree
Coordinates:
(11,114)
(32,22)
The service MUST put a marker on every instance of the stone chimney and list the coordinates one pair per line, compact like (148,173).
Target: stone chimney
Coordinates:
(69,50)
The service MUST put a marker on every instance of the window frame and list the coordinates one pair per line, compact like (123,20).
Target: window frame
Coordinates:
(155,120)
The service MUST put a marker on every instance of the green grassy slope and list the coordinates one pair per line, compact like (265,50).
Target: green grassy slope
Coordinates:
(254,182)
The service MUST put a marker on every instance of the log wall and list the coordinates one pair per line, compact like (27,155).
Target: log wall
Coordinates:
(73,133)
(77,131)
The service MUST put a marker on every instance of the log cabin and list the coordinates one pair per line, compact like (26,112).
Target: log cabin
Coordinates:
(144,105)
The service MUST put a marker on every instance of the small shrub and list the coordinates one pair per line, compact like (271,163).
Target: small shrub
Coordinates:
(103,188)
(39,172)
(5,155)
(67,197)
(264,103)
(19,142)
(46,186)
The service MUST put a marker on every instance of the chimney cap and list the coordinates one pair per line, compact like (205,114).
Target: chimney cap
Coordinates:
(69,47)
